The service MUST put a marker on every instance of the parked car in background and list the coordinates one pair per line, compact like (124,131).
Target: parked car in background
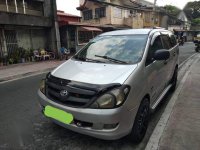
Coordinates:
(109,87)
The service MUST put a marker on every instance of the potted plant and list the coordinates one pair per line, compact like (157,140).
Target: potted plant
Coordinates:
(10,60)
(22,53)
(15,55)
(31,54)
(27,55)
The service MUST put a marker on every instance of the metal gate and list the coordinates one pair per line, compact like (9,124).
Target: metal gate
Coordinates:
(11,41)
(1,44)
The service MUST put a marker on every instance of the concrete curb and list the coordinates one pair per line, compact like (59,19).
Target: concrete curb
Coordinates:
(153,143)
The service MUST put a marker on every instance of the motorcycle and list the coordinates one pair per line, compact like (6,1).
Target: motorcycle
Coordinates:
(197,48)
(197,42)
(181,41)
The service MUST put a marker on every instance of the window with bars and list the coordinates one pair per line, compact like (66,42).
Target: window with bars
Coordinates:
(84,36)
(11,41)
(1,44)
(100,12)
(87,14)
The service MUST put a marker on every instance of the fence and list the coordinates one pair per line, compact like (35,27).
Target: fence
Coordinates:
(11,41)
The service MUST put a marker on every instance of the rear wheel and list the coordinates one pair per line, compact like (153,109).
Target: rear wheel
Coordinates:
(141,122)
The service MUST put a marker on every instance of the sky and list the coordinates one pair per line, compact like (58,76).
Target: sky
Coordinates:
(69,6)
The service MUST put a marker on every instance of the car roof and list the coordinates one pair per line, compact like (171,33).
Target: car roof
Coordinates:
(132,32)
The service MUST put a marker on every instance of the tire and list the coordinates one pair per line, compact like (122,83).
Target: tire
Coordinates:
(174,80)
(141,122)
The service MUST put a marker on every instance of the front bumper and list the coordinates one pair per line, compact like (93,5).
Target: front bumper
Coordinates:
(120,117)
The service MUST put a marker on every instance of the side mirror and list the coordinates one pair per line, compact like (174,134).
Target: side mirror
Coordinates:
(161,54)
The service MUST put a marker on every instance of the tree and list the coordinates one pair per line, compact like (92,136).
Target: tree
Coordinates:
(172,10)
(196,21)
(192,10)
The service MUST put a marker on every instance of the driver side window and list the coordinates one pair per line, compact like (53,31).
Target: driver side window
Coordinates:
(157,45)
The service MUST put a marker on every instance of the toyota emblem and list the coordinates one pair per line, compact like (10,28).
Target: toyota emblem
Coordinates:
(63,93)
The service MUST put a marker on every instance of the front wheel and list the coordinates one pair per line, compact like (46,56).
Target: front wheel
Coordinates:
(141,122)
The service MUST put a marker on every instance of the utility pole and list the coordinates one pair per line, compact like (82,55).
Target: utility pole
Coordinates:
(154,12)
(56,33)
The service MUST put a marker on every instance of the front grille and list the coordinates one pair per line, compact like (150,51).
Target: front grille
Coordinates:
(78,96)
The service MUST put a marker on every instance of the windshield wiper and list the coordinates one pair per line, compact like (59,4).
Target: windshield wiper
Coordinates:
(88,59)
(112,59)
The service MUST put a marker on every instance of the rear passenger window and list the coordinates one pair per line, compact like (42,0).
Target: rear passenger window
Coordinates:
(157,45)
(166,42)
(172,40)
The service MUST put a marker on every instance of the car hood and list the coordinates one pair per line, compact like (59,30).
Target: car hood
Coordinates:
(93,73)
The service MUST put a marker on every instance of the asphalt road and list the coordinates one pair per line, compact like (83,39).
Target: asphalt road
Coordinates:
(185,51)
(22,126)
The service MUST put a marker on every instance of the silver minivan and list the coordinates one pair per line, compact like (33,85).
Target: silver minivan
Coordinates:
(108,89)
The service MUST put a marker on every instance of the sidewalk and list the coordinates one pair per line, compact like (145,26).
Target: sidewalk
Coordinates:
(182,128)
(21,70)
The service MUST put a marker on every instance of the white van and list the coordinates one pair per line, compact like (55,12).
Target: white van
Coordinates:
(109,87)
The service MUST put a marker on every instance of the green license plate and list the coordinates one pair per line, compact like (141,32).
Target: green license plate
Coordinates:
(58,114)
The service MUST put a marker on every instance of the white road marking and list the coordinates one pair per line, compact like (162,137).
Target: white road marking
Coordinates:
(18,78)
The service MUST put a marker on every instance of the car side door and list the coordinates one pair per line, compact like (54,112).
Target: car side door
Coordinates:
(174,53)
(154,69)
(169,68)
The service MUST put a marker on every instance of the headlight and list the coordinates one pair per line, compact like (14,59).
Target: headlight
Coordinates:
(42,86)
(111,99)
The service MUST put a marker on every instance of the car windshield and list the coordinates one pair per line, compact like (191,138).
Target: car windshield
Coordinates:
(125,49)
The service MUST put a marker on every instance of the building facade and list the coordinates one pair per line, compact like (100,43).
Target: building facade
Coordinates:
(31,24)
(120,14)
(186,23)
(73,33)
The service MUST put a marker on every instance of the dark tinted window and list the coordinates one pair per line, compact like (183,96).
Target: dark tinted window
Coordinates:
(100,12)
(166,42)
(172,40)
(157,45)
(87,14)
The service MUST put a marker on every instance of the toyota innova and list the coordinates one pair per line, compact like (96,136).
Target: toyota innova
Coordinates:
(108,88)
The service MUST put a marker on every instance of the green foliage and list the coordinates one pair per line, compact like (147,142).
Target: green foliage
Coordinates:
(172,10)
(192,10)
(27,53)
(19,53)
(196,21)
(31,52)
(11,61)
(15,55)
(22,52)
